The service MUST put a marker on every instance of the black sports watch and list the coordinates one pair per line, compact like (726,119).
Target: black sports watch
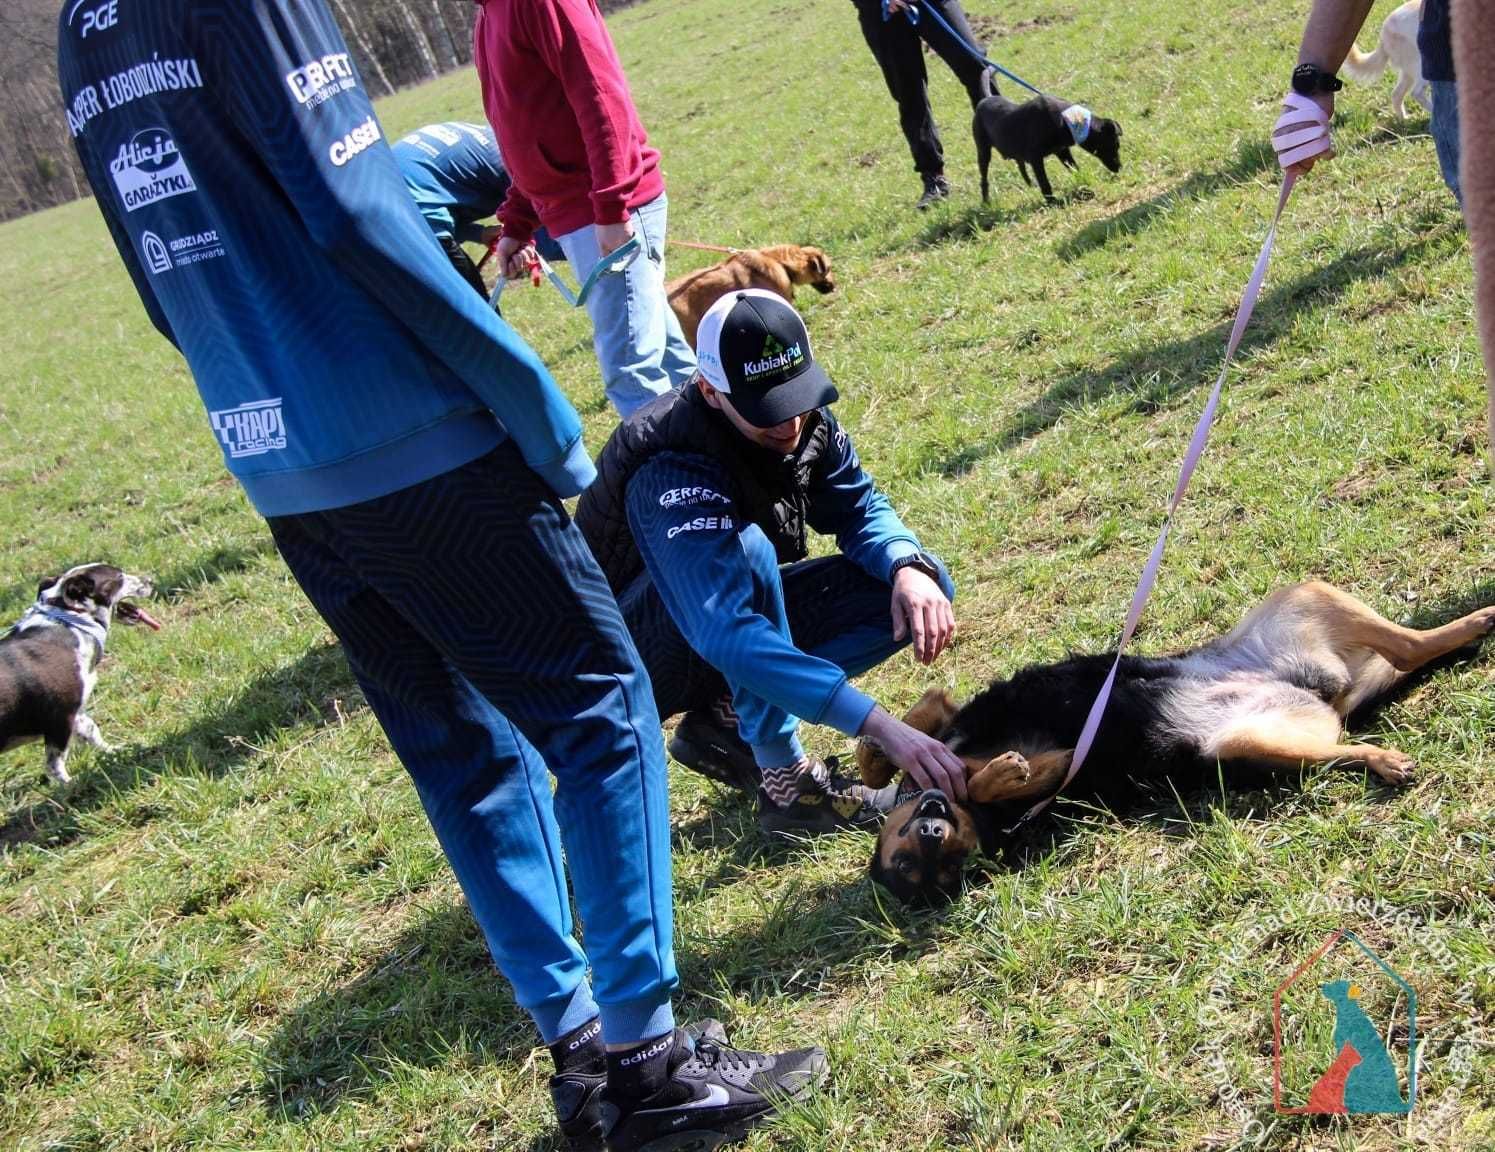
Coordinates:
(923,561)
(1310,79)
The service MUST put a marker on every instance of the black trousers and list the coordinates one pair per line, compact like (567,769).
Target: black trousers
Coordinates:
(898,47)
(462,262)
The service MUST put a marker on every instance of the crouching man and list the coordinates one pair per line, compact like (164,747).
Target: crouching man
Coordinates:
(699,517)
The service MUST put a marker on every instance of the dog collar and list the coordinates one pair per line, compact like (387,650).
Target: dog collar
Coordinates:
(76,621)
(1077,119)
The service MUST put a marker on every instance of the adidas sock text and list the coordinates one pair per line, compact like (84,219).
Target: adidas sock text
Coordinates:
(581,1049)
(638,1073)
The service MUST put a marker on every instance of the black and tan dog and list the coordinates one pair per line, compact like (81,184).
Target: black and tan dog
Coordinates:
(1043,126)
(1272,694)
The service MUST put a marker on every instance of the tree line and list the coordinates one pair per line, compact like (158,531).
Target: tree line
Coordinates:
(395,43)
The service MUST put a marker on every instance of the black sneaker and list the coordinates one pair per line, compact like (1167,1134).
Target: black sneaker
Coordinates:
(936,188)
(706,741)
(577,1096)
(825,800)
(714,1094)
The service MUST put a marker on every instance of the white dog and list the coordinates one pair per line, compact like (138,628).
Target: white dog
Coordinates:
(1398,48)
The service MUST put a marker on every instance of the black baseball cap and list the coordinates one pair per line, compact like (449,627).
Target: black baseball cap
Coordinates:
(753,346)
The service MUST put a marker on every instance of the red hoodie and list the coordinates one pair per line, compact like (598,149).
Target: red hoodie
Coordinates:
(556,96)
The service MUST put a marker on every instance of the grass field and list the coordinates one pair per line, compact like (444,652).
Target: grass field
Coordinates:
(236,931)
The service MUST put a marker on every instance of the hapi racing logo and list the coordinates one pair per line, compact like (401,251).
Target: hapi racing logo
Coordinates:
(365,136)
(96,17)
(775,358)
(149,168)
(250,429)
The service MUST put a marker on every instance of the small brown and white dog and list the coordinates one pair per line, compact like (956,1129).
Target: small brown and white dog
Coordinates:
(777,269)
(49,660)
(1272,694)
(1398,48)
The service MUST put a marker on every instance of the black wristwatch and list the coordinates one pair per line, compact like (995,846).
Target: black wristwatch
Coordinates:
(1310,79)
(923,561)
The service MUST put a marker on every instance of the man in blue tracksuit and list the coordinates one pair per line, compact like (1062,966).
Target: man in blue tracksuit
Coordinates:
(701,496)
(457,178)
(410,454)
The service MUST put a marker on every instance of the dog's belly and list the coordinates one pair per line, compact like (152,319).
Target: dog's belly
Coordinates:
(1196,711)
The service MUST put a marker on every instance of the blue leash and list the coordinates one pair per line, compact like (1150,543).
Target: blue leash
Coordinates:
(912,12)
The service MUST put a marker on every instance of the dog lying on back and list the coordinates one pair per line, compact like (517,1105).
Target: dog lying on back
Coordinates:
(1272,694)
(778,269)
(1043,126)
(50,659)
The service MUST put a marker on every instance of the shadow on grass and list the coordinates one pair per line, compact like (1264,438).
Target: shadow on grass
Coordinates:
(297,694)
(1251,158)
(432,999)
(1158,373)
(955,225)
(180,582)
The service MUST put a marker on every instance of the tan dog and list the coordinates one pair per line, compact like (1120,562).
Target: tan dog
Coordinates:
(777,269)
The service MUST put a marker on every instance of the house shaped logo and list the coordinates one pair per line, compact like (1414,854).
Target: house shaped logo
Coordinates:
(1343,1024)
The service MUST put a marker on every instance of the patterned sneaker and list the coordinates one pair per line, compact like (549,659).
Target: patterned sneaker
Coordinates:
(820,799)
(579,1108)
(706,741)
(714,1094)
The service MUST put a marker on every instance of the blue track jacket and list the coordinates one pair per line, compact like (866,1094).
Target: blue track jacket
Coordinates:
(237,160)
(456,175)
(687,529)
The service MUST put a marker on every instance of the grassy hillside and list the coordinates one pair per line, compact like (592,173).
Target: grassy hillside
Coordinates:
(236,931)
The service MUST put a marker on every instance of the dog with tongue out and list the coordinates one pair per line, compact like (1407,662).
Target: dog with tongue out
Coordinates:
(49,660)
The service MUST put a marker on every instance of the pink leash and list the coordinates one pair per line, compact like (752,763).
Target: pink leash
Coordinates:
(1302,132)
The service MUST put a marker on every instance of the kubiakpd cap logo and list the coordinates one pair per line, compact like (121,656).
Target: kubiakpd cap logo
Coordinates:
(753,346)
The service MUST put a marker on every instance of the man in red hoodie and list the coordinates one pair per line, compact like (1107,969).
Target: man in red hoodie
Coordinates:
(582,166)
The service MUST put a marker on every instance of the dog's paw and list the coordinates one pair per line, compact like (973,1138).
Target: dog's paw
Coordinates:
(1484,621)
(1392,766)
(1000,778)
(875,768)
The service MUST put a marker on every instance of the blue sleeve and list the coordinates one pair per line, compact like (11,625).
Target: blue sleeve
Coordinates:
(691,538)
(329,157)
(846,504)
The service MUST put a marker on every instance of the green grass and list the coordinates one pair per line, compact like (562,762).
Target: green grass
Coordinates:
(237,931)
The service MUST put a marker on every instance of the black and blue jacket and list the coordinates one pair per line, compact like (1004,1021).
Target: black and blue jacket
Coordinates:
(237,160)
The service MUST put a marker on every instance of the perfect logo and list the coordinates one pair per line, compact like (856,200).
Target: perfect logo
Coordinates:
(318,81)
(149,168)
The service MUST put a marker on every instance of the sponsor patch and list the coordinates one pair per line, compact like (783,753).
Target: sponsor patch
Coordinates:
(318,81)
(193,248)
(250,429)
(362,138)
(694,494)
(90,16)
(700,524)
(775,358)
(148,168)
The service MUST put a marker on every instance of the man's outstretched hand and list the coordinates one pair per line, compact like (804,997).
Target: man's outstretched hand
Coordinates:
(926,759)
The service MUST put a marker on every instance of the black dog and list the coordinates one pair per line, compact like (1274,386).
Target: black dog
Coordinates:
(1026,133)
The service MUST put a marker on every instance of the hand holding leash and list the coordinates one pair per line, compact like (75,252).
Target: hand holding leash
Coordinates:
(612,236)
(1301,135)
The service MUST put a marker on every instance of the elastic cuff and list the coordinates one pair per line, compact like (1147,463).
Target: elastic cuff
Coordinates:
(894,552)
(568,475)
(612,212)
(848,709)
(635,1021)
(779,753)
(554,1018)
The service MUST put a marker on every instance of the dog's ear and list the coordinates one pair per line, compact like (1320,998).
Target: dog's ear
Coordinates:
(46,582)
(78,591)
(933,712)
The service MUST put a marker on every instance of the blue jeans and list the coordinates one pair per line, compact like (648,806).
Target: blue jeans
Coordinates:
(828,607)
(486,641)
(639,345)
(1446,133)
